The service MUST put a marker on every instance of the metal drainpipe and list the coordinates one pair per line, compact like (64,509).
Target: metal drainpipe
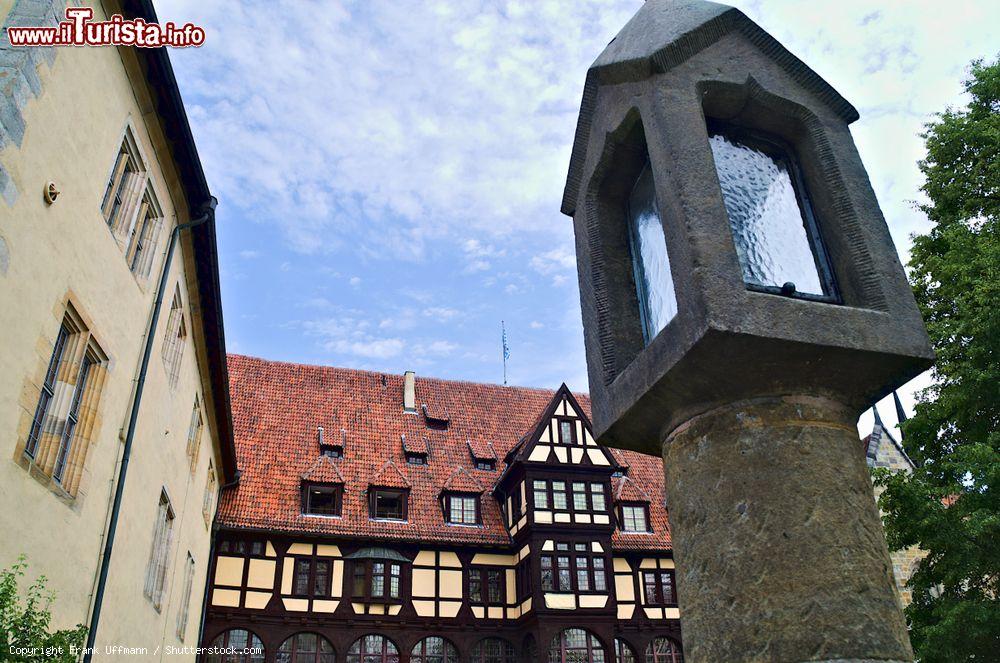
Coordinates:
(109,541)
(211,557)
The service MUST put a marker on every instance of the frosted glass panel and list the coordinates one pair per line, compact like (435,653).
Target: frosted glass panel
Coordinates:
(765,218)
(654,284)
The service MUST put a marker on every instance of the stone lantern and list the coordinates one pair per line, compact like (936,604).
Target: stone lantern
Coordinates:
(743,303)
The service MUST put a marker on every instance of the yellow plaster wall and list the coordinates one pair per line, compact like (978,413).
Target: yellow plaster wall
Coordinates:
(65,252)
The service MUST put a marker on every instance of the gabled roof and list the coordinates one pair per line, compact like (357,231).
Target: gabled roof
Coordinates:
(660,36)
(324,470)
(389,476)
(461,481)
(277,406)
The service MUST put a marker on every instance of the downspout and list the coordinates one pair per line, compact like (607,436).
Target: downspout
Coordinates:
(109,540)
(211,559)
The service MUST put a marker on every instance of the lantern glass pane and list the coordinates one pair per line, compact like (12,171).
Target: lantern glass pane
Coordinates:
(650,264)
(768,227)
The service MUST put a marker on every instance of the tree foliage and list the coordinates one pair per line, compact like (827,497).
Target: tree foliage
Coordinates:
(24,623)
(950,505)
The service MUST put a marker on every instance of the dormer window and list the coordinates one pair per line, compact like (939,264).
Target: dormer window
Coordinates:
(322,499)
(462,509)
(388,504)
(415,458)
(487,465)
(635,518)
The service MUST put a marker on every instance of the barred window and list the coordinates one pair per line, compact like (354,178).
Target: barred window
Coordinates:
(59,435)
(664,650)
(156,569)
(126,179)
(175,338)
(195,429)
(144,235)
(182,613)
(208,500)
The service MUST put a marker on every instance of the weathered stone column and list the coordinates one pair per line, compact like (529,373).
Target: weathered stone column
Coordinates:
(772,516)
(742,304)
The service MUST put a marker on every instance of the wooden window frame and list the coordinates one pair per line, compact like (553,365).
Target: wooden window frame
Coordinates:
(336,489)
(369,574)
(449,651)
(657,584)
(478,655)
(311,564)
(645,511)
(560,420)
(485,465)
(159,554)
(477,514)
(290,647)
(593,644)
(239,547)
(552,561)
(404,494)
(676,656)
(482,576)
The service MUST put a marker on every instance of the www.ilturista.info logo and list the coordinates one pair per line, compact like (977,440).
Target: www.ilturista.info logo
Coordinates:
(79,30)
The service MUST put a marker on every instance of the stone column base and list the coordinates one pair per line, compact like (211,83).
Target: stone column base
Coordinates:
(780,550)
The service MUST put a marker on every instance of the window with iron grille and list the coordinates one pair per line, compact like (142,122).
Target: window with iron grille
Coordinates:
(658,587)
(208,500)
(159,556)
(195,428)
(182,613)
(127,176)
(175,338)
(144,235)
(59,436)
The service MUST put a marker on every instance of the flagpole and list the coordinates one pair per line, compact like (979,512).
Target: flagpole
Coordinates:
(506,352)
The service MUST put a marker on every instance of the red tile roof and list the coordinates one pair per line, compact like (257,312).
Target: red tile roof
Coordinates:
(277,407)
(627,490)
(324,470)
(461,481)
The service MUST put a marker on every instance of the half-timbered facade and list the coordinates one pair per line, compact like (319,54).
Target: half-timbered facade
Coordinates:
(381,518)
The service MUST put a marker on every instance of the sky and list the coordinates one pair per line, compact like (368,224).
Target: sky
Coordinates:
(390,171)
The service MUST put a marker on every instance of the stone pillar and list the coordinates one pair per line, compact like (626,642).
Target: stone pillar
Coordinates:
(772,515)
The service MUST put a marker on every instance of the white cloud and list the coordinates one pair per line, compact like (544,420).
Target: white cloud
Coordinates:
(249,254)
(355,281)
(441,313)
(535,324)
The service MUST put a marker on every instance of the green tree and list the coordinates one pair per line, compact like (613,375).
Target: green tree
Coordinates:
(950,505)
(24,624)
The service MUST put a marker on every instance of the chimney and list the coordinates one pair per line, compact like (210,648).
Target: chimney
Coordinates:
(319,435)
(410,392)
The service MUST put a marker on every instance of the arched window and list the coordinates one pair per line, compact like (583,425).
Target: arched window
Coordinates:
(574,645)
(247,647)
(623,652)
(434,649)
(492,650)
(373,649)
(306,648)
(664,650)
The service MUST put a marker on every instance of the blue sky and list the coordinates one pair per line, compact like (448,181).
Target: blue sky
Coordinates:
(390,171)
